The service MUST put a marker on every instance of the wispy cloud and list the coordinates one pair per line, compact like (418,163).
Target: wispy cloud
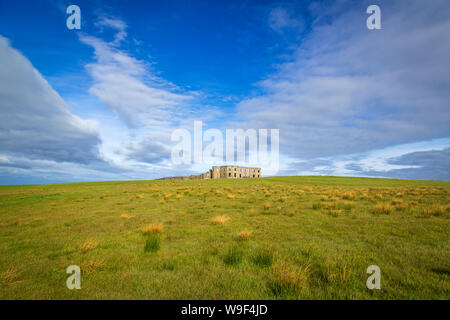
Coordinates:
(150,106)
(117,24)
(280,19)
(125,85)
(348,89)
(419,160)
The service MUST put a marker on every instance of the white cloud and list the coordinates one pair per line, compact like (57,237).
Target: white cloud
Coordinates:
(394,161)
(114,23)
(36,121)
(149,106)
(348,89)
(125,85)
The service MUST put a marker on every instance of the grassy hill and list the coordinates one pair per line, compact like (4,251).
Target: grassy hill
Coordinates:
(268,238)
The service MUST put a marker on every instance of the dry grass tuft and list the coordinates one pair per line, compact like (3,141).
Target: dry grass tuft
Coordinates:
(9,276)
(243,235)
(267,205)
(341,272)
(89,244)
(126,216)
(285,278)
(383,208)
(220,219)
(92,266)
(140,196)
(348,196)
(152,228)
(435,210)
(167,196)
(231,196)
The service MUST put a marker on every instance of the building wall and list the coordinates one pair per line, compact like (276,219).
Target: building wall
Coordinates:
(235,172)
(228,172)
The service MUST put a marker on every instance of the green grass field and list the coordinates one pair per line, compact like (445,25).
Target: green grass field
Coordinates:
(268,238)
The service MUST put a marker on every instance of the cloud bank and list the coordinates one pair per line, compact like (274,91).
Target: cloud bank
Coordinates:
(36,122)
(348,89)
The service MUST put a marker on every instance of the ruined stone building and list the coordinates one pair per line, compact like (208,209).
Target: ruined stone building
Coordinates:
(232,172)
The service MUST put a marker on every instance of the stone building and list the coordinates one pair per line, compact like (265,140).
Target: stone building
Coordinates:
(222,172)
(231,172)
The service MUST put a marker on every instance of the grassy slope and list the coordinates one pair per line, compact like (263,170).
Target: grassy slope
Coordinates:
(301,237)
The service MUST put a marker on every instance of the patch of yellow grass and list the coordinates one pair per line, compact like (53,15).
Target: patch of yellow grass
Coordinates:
(167,196)
(179,196)
(402,206)
(378,196)
(435,210)
(140,196)
(126,216)
(243,235)
(91,266)
(153,228)
(348,196)
(383,208)
(89,244)
(283,198)
(335,212)
(231,196)
(9,276)
(220,219)
(339,272)
(286,277)
(267,205)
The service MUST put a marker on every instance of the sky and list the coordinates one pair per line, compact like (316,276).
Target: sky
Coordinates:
(101,103)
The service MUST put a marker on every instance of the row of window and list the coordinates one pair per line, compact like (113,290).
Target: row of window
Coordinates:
(240,169)
(246,174)
(240,175)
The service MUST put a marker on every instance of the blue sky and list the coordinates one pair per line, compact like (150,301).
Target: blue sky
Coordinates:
(101,103)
